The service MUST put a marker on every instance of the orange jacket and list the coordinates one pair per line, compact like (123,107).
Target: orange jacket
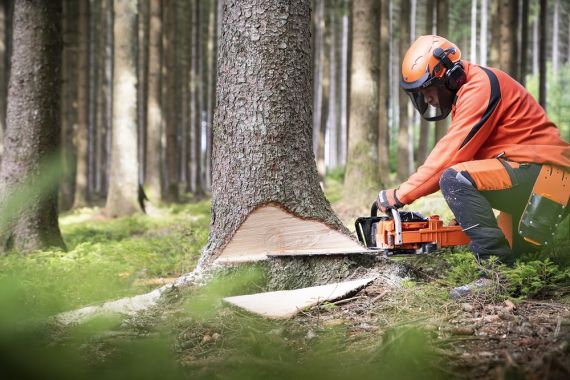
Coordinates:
(492,114)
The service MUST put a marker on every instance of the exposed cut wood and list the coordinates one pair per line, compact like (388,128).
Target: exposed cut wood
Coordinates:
(270,230)
(286,303)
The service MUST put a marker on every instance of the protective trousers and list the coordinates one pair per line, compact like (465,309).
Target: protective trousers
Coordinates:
(473,189)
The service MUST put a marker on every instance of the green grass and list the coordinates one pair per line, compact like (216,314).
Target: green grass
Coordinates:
(106,259)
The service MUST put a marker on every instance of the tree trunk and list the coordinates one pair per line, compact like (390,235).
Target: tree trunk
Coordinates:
(154,106)
(495,57)
(142,89)
(29,169)
(196,105)
(384,95)
(425,126)
(123,182)
(334,59)
(473,47)
(535,48)
(68,102)
(362,179)
(555,39)
(542,54)
(442,30)
(508,37)
(81,191)
(318,29)
(404,130)
(169,101)
(326,31)
(3,69)
(523,69)
(265,190)
(483,33)
(344,90)
(215,13)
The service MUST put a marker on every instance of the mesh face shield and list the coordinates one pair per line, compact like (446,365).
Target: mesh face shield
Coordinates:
(441,99)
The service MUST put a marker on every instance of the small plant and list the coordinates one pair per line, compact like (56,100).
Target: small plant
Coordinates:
(534,278)
(464,268)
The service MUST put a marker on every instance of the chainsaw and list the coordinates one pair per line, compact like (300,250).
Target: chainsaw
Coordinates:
(404,232)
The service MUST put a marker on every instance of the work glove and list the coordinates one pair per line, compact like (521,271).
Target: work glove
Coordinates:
(388,199)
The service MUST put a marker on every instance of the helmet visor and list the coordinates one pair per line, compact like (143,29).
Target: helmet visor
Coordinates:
(440,101)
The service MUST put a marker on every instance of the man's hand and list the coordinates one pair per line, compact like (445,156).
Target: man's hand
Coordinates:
(388,199)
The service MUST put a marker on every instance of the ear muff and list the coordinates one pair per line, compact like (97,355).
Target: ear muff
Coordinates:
(454,75)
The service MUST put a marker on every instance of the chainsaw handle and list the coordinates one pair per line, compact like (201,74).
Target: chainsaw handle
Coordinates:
(397,221)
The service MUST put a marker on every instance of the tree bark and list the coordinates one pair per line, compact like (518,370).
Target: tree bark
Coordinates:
(154,106)
(142,89)
(542,54)
(404,130)
(384,95)
(425,126)
(123,182)
(344,87)
(29,169)
(262,157)
(362,179)
(326,31)
(68,102)
(215,14)
(555,37)
(508,37)
(483,34)
(523,70)
(3,70)
(442,30)
(196,105)
(169,101)
(495,54)
(473,45)
(81,191)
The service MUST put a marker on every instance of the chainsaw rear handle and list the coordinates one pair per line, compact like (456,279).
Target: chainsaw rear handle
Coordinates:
(397,221)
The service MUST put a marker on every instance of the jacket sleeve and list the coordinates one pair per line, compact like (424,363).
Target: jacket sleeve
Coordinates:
(474,118)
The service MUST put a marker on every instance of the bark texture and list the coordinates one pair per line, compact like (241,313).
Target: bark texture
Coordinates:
(262,131)
(28,186)
(154,107)
(2,74)
(442,30)
(383,95)
(82,106)
(123,182)
(362,177)
(404,127)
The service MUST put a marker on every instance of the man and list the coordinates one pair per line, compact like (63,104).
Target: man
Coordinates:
(501,152)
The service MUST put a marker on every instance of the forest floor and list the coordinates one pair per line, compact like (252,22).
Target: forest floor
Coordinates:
(402,326)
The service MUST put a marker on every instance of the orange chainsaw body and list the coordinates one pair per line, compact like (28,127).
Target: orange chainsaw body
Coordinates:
(415,234)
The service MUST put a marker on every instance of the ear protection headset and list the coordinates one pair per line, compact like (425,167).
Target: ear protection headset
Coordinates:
(454,75)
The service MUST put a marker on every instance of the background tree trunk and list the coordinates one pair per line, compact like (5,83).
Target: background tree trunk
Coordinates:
(542,54)
(425,126)
(81,191)
(68,102)
(495,56)
(404,126)
(384,95)
(262,157)
(508,10)
(3,69)
(362,179)
(30,163)
(442,30)
(483,33)
(169,101)
(142,88)
(123,182)
(473,45)
(154,106)
(555,37)
(524,43)
(326,31)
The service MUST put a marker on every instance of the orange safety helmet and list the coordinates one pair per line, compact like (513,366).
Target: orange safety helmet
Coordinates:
(432,62)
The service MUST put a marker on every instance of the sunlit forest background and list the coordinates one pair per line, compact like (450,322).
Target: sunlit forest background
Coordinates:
(174,49)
